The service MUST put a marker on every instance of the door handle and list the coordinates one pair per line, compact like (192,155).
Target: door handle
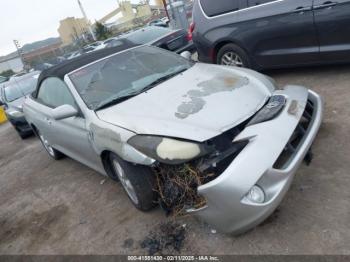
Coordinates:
(328,4)
(302,9)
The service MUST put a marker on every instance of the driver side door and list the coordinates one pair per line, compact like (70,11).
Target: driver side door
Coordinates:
(69,135)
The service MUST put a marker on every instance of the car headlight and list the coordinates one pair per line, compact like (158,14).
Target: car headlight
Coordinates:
(15,113)
(270,110)
(168,150)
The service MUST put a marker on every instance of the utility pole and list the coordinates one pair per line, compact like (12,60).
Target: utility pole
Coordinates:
(84,14)
(165,8)
(20,53)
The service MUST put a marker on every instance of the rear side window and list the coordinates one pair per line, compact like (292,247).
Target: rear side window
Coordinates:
(219,7)
(53,92)
(147,34)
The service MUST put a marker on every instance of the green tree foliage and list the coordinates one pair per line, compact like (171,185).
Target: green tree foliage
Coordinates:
(7,73)
(101,31)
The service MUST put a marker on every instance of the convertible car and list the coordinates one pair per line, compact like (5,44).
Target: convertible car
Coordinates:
(131,110)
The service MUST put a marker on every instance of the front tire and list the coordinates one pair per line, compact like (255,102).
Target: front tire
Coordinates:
(138,182)
(233,55)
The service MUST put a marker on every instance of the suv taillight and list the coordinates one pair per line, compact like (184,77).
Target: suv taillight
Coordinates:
(190,31)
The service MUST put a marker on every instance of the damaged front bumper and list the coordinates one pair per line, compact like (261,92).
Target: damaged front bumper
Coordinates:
(263,163)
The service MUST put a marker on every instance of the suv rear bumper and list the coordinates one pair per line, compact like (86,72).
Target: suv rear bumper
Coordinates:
(228,209)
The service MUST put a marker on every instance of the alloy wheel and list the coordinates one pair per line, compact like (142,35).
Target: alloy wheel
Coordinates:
(47,146)
(125,181)
(232,59)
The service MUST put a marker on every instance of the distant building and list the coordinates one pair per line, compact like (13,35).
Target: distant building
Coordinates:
(158,2)
(11,62)
(126,12)
(72,28)
(127,16)
(42,54)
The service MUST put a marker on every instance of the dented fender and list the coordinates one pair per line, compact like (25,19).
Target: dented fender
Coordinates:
(107,137)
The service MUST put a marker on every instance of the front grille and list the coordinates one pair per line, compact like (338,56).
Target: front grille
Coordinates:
(297,137)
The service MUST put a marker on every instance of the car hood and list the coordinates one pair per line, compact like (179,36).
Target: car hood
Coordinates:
(199,104)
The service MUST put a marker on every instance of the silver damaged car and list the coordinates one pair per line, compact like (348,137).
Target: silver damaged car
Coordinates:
(125,110)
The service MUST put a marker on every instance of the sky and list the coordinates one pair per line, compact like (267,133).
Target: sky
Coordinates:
(32,20)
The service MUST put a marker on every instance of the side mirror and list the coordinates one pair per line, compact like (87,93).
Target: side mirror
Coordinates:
(186,54)
(64,111)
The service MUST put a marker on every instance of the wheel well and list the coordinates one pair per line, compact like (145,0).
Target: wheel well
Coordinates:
(222,44)
(35,130)
(105,161)
(219,46)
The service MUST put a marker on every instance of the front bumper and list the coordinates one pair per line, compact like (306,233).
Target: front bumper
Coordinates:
(227,207)
(20,124)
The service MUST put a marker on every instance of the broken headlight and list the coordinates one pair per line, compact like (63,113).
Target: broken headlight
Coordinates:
(270,110)
(168,150)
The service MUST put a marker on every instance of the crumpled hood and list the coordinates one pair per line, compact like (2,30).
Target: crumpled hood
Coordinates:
(199,104)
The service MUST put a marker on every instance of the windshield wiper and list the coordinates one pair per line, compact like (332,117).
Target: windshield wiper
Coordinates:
(146,88)
(161,80)
(114,101)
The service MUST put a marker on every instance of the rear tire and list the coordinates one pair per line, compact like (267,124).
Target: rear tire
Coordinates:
(233,55)
(55,154)
(138,182)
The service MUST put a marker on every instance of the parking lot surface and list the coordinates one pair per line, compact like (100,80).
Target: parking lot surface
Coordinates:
(63,207)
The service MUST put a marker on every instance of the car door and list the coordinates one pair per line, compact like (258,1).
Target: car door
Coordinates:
(332,19)
(279,32)
(70,135)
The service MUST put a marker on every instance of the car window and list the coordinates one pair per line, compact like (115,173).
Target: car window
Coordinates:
(108,41)
(219,7)
(53,92)
(114,43)
(258,2)
(20,87)
(147,34)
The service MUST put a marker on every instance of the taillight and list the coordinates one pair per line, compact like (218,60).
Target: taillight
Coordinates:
(190,31)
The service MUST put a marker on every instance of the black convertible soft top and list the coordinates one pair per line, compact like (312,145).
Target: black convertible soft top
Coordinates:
(68,66)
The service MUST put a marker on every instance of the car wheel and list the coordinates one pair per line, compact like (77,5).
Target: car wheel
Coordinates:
(138,182)
(49,149)
(233,55)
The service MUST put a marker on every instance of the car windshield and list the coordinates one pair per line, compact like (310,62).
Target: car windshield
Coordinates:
(20,87)
(147,34)
(126,74)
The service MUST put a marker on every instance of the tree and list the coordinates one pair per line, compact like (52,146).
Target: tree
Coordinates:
(7,73)
(101,31)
